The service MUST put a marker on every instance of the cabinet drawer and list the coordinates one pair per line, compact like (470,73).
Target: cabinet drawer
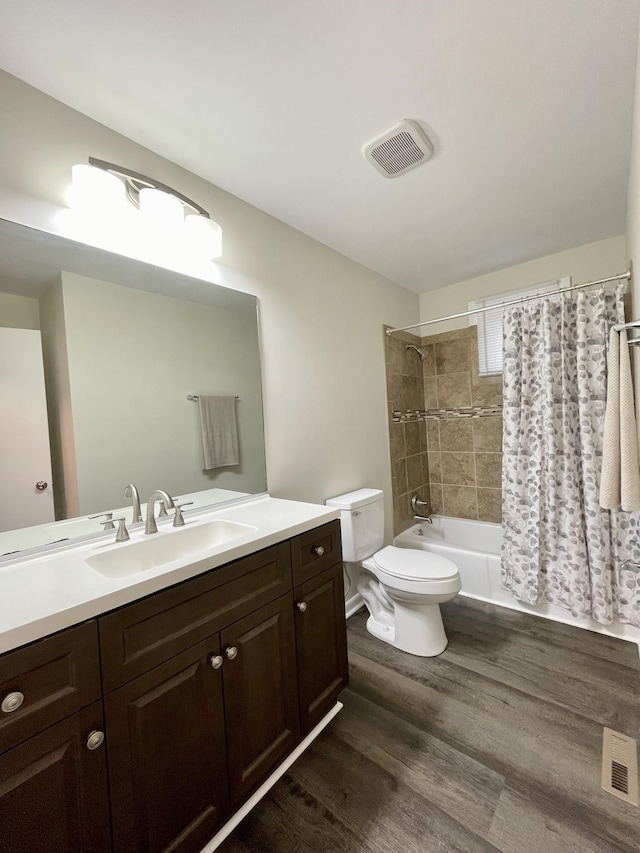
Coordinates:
(315,551)
(56,676)
(142,635)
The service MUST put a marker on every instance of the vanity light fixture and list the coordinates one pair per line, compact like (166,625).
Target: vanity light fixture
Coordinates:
(104,189)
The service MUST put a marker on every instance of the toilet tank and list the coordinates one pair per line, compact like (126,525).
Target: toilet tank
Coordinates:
(361,522)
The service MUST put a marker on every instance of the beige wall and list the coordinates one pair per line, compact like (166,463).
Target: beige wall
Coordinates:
(18,312)
(321,314)
(584,263)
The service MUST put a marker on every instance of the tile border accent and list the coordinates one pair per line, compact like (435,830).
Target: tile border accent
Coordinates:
(407,415)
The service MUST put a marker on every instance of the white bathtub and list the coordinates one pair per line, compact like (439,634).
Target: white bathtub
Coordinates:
(474,546)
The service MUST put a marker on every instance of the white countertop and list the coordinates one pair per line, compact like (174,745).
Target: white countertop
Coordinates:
(42,594)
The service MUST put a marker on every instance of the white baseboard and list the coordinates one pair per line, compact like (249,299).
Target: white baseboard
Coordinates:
(231,824)
(353,604)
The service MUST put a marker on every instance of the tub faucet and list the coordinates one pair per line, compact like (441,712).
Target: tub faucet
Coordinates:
(417,506)
(130,491)
(167,502)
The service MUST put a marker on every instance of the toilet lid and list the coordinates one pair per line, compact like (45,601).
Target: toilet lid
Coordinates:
(413,564)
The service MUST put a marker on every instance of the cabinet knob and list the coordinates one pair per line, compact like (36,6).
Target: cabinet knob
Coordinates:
(216,661)
(95,740)
(319,550)
(231,652)
(12,702)
(302,606)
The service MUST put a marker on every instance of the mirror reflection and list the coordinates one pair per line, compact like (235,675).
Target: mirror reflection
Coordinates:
(115,372)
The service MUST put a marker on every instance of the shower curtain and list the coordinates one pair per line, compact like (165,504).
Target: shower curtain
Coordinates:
(558,544)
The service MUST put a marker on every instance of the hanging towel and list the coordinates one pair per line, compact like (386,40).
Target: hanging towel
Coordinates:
(620,478)
(219,429)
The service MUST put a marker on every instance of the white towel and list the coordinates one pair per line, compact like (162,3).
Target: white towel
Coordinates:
(620,478)
(219,429)
(630,469)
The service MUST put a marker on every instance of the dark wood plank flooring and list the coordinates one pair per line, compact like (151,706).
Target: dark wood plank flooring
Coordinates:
(494,745)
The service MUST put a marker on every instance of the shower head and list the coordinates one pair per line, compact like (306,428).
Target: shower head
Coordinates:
(421,352)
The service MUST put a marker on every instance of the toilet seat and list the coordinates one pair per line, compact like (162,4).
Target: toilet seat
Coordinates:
(416,572)
(414,565)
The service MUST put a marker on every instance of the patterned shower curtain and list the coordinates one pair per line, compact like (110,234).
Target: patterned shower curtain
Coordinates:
(558,544)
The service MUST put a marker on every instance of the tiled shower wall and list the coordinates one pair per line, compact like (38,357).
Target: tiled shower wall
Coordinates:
(409,462)
(465,456)
(456,464)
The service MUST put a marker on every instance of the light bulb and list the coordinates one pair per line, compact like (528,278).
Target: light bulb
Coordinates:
(94,189)
(161,208)
(204,236)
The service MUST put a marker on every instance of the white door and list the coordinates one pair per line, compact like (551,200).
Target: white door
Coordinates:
(25,458)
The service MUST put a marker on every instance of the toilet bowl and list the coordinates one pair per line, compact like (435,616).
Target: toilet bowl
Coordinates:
(402,588)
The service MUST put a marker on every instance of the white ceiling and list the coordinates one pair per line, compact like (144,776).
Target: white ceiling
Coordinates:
(528,105)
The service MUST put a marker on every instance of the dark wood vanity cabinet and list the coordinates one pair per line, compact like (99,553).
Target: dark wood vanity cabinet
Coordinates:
(207,687)
(53,769)
(260,695)
(167,755)
(321,644)
(53,790)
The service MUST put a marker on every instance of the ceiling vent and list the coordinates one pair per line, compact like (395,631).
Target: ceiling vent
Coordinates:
(399,149)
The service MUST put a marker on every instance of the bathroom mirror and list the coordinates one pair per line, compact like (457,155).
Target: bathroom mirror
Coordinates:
(124,346)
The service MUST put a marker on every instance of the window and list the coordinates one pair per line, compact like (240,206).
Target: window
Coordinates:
(489,323)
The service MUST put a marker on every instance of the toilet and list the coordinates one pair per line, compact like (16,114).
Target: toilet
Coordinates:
(401,587)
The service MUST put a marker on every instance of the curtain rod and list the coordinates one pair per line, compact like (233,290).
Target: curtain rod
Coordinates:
(626,275)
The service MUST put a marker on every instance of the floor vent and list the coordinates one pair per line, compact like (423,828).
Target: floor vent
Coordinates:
(620,766)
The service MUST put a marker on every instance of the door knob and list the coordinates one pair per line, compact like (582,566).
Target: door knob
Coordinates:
(231,652)
(41,485)
(95,740)
(12,702)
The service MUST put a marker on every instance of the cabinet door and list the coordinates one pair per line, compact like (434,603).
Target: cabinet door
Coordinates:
(166,750)
(260,694)
(53,790)
(321,644)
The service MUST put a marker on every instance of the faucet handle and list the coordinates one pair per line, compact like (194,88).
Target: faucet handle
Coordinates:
(162,511)
(123,534)
(108,520)
(416,503)
(178,519)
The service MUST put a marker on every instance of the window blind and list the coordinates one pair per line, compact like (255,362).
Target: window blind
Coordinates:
(489,323)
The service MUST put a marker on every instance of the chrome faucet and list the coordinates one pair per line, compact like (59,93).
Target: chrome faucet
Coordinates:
(417,507)
(167,502)
(130,491)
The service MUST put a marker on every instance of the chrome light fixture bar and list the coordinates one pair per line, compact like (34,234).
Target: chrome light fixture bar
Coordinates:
(134,182)
(102,188)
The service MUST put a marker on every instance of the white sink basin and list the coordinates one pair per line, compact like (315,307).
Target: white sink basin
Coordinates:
(157,549)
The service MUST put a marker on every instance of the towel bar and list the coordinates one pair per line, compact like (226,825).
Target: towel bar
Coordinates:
(195,397)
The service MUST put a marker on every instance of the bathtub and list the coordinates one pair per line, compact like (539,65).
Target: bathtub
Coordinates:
(474,546)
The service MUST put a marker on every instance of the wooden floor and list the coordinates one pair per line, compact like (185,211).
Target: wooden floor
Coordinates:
(494,745)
